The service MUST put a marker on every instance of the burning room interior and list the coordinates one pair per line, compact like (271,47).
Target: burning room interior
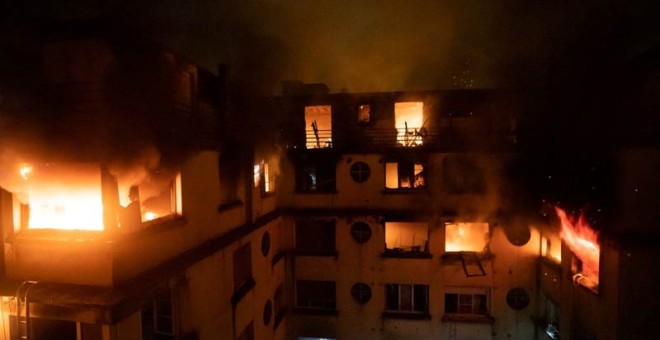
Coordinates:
(461,174)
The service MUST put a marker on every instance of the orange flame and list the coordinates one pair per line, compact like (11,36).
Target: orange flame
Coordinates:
(582,240)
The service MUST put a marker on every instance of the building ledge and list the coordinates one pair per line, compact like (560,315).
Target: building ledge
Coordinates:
(403,191)
(457,256)
(316,253)
(316,311)
(229,205)
(156,226)
(468,318)
(316,192)
(396,254)
(406,316)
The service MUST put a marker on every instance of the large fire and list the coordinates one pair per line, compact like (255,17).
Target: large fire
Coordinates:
(582,240)
(60,196)
(409,123)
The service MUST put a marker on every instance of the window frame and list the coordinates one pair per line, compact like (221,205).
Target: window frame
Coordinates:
(406,168)
(320,303)
(424,310)
(464,292)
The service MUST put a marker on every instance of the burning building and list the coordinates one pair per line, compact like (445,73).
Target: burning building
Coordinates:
(148,204)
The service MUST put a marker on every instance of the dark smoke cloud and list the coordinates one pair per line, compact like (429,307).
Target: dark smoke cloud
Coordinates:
(375,45)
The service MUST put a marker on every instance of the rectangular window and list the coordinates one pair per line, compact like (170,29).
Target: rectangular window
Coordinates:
(410,123)
(318,126)
(158,317)
(264,177)
(315,237)
(407,298)
(466,236)
(242,266)
(230,174)
(406,237)
(470,301)
(280,304)
(316,175)
(156,197)
(551,248)
(405,175)
(316,294)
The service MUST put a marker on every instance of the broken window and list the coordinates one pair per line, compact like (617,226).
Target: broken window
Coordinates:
(364,113)
(405,175)
(316,175)
(471,301)
(409,123)
(466,237)
(409,298)
(316,294)
(315,237)
(242,267)
(318,126)
(406,237)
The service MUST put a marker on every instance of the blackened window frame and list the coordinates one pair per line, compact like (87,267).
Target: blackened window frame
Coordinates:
(316,171)
(406,168)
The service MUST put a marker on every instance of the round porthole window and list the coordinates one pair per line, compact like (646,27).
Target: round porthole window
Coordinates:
(517,298)
(360,171)
(265,244)
(361,292)
(361,232)
(268,312)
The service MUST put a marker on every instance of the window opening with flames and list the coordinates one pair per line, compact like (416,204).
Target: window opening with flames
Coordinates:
(318,126)
(582,240)
(410,123)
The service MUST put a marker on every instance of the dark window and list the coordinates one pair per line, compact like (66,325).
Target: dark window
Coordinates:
(268,312)
(462,175)
(316,175)
(405,175)
(364,113)
(242,266)
(158,318)
(517,298)
(407,298)
(361,232)
(466,303)
(360,171)
(361,292)
(280,303)
(230,170)
(91,332)
(315,236)
(316,294)
(247,333)
(265,244)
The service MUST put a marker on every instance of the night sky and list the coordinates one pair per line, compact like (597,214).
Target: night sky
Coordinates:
(363,46)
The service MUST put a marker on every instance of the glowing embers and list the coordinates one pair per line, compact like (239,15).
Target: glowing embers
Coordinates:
(409,123)
(466,236)
(57,196)
(406,237)
(318,126)
(582,240)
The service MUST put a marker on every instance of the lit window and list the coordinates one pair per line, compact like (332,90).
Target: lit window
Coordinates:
(407,298)
(550,248)
(409,123)
(364,113)
(56,196)
(406,237)
(318,126)
(156,197)
(466,301)
(316,294)
(405,175)
(264,174)
(466,236)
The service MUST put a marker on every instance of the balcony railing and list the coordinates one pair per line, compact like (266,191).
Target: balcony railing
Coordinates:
(445,138)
